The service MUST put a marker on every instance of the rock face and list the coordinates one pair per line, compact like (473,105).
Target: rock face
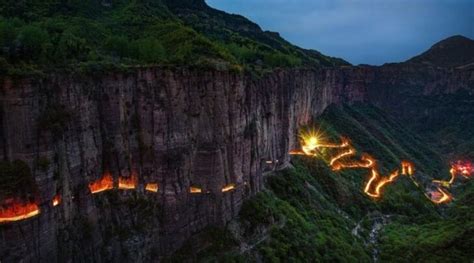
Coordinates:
(397,88)
(178,128)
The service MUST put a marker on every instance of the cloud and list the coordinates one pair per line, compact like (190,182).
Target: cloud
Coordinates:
(360,31)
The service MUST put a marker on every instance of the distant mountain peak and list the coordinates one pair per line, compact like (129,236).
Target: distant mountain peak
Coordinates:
(453,39)
(454,51)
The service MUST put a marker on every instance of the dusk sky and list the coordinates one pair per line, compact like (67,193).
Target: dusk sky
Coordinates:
(360,31)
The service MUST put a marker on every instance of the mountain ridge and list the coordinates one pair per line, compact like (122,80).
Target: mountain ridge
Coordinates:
(96,35)
(189,10)
(454,51)
(99,35)
(213,138)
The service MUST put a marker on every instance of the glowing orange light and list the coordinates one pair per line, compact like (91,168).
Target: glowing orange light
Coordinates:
(443,183)
(385,181)
(195,190)
(311,144)
(310,140)
(440,197)
(152,187)
(407,168)
(463,168)
(128,183)
(452,171)
(296,152)
(103,184)
(373,177)
(370,162)
(366,162)
(17,210)
(341,155)
(56,200)
(380,184)
(344,143)
(228,188)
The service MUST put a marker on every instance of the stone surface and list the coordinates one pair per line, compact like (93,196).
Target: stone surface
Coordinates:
(179,128)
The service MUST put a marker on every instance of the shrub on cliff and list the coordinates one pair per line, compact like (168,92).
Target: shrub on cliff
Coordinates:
(71,46)
(32,41)
(70,34)
(448,239)
(149,50)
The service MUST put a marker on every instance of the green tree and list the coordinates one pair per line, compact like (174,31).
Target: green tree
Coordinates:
(281,60)
(7,33)
(72,47)
(118,46)
(243,54)
(150,50)
(32,41)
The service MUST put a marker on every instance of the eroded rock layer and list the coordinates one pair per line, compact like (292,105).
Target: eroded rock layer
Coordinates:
(177,128)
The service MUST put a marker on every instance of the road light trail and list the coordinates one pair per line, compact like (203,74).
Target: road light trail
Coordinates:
(311,145)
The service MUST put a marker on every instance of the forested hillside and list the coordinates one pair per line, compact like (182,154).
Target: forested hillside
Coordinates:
(98,35)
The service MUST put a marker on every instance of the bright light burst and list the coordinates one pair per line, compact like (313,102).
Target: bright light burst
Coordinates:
(312,142)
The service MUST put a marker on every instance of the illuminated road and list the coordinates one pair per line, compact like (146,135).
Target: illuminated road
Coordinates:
(17,210)
(340,156)
(312,145)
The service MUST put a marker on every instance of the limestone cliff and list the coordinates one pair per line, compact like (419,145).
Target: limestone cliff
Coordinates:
(179,128)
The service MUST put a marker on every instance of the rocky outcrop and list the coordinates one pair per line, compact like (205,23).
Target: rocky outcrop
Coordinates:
(399,88)
(179,128)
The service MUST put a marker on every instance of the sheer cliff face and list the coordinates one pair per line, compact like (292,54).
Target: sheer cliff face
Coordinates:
(395,87)
(179,129)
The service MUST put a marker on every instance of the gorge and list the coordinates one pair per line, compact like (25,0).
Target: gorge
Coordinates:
(130,163)
(179,128)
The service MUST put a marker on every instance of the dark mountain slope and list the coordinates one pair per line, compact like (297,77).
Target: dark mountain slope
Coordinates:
(447,239)
(97,35)
(447,121)
(455,51)
(446,116)
(311,212)
(432,94)
(214,129)
(244,36)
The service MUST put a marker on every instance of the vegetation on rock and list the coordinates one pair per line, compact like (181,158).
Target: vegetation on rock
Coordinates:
(96,35)
(311,212)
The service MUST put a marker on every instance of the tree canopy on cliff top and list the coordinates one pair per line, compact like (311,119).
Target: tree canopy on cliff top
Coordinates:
(96,34)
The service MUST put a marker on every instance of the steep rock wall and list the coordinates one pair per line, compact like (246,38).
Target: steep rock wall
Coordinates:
(178,128)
